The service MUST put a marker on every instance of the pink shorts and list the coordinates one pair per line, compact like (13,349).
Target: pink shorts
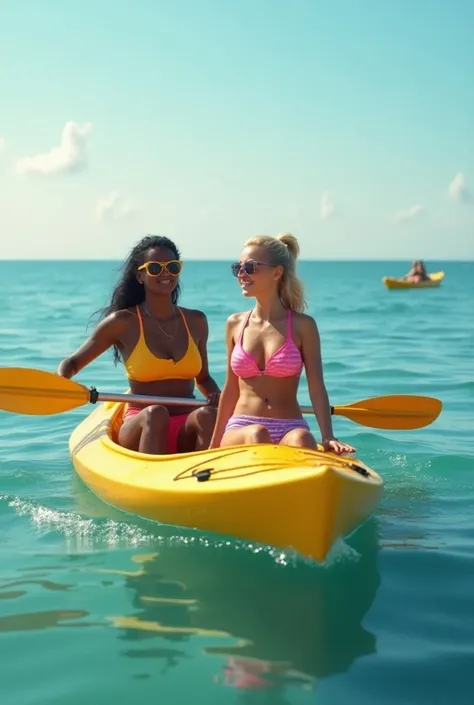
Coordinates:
(174,426)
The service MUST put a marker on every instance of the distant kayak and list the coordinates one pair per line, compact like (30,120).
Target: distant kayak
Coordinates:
(433,281)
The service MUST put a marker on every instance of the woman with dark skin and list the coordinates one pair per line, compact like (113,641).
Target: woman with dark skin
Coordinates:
(163,348)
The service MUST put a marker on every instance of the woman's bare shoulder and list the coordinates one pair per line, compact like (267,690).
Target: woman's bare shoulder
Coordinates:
(235,321)
(304,321)
(118,320)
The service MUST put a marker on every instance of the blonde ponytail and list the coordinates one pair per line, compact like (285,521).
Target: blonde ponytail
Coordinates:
(291,243)
(283,250)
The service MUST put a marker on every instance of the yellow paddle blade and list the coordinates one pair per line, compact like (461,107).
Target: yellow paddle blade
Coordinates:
(399,412)
(36,392)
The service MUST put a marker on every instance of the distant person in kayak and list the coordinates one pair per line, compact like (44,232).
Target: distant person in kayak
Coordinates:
(417,272)
(163,348)
(267,349)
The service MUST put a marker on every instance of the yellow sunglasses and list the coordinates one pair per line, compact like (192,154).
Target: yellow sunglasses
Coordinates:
(154,269)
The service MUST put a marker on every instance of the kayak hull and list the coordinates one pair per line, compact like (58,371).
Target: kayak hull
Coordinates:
(277,495)
(434,281)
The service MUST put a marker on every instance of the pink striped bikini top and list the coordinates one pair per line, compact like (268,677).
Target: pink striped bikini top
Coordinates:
(285,362)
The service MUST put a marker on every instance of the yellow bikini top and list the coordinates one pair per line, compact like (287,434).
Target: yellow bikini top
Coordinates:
(143,366)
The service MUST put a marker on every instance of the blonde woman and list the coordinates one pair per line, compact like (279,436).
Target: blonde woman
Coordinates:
(267,349)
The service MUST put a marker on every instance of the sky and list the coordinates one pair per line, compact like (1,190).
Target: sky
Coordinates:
(349,123)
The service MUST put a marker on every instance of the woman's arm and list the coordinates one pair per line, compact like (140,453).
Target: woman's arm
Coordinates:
(230,391)
(311,351)
(106,334)
(204,382)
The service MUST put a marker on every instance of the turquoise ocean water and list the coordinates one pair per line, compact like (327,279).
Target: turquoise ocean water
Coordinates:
(96,607)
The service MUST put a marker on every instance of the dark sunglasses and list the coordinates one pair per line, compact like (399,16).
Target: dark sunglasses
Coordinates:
(154,269)
(249,267)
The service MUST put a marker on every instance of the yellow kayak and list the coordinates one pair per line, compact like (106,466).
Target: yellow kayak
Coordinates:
(434,280)
(277,495)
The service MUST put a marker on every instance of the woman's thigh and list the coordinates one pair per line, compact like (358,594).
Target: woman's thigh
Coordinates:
(300,438)
(246,435)
(196,431)
(130,432)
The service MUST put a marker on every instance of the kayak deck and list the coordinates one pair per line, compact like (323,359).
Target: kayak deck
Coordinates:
(432,282)
(277,495)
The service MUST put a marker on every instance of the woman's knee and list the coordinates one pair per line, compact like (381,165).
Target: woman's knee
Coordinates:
(205,418)
(299,437)
(155,416)
(257,434)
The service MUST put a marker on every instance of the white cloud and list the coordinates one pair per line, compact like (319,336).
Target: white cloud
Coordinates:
(458,190)
(409,213)
(69,156)
(2,144)
(114,206)
(327,207)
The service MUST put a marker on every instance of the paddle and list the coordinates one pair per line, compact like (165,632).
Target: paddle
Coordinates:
(30,391)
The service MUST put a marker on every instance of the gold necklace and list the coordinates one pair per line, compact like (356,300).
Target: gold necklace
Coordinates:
(170,337)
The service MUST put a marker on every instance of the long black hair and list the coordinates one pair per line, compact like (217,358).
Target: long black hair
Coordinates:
(128,291)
